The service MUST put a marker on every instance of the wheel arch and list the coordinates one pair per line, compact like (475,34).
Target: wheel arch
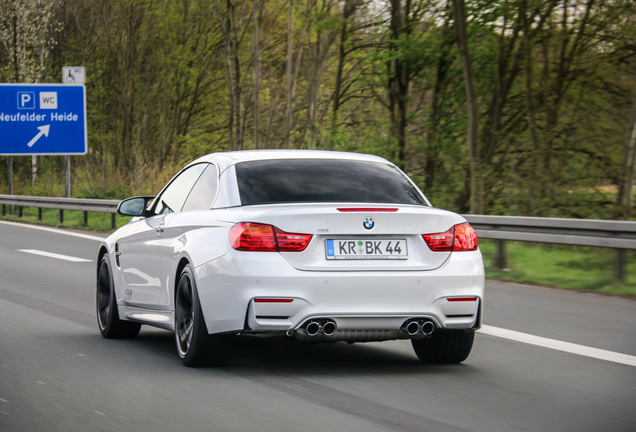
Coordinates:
(102,251)
(183,262)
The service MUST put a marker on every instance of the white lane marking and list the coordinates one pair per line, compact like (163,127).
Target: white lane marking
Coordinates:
(98,412)
(53,255)
(53,230)
(558,345)
(2,400)
(40,382)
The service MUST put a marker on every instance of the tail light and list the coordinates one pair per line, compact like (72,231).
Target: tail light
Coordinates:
(288,242)
(458,238)
(248,236)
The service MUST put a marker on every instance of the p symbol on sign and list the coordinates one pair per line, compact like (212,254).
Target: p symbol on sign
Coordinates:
(26,100)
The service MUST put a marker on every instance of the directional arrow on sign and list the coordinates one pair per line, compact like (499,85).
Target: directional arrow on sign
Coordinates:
(44,130)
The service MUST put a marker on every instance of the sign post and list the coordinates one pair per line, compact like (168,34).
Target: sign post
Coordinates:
(71,75)
(10,181)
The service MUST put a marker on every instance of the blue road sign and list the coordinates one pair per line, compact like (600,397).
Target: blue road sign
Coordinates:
(42,119)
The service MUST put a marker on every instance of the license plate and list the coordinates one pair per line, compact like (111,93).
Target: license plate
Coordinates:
(376,249)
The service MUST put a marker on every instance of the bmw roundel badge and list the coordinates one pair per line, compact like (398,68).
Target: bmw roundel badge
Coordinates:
(368,223)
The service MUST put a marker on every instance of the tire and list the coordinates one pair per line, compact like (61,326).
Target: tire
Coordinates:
(195,346)
(110,326)
(445,346)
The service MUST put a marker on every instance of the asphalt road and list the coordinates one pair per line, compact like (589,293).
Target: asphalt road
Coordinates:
(58,374)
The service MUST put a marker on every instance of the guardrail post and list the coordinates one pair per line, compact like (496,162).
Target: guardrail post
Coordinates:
(620,265)
(20,211)
(61,216)
(85,218)
(39,213)
(500,256)
(4,210)
(112,220)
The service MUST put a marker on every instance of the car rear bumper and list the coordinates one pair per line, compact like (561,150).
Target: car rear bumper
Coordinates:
(261,292)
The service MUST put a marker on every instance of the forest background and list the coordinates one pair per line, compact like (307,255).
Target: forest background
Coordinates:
(511,107)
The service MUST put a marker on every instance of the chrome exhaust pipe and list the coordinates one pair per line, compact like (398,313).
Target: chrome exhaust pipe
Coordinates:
(312,328)
(412,328)
(329,328)
(427,327)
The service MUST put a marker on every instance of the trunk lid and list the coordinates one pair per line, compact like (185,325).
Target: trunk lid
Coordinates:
(335,226)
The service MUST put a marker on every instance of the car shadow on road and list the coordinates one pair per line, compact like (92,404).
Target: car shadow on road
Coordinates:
(282,356)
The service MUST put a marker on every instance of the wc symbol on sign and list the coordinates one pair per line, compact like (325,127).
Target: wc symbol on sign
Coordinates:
(26,100)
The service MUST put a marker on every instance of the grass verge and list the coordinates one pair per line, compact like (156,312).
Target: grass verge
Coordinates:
(560,266)
(99,222)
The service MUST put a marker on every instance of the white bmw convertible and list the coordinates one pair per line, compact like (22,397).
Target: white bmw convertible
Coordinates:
(315,246)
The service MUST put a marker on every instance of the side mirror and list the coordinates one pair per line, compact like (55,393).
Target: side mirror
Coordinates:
(135,206)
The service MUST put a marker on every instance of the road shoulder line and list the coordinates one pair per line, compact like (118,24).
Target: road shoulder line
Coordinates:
(558,345)
(54,230)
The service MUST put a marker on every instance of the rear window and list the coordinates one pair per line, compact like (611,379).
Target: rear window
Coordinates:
(323,180)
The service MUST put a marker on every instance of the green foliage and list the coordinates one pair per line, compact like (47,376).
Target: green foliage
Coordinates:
(48,184)
(159,94)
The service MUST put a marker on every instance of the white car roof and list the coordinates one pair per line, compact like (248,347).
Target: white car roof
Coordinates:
(226,159)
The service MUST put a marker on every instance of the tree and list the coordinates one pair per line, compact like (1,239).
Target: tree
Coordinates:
(258,20)
(476,183)
(625,195)
(28,31)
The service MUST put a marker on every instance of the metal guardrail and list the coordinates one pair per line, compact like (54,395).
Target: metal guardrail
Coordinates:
(79,204)
(577,232)
(618,235)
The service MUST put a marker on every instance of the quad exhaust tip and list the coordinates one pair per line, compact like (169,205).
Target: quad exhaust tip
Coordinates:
(312,328)
(427,327)
(321,328)
(327,327)
(415,327)
(412,328)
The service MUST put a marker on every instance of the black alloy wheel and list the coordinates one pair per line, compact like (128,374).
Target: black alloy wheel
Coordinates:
(184,315)
(110,326)
(194,345)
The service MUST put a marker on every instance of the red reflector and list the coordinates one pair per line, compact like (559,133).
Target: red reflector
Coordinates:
(272,300)
(461,299)
(367,209)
